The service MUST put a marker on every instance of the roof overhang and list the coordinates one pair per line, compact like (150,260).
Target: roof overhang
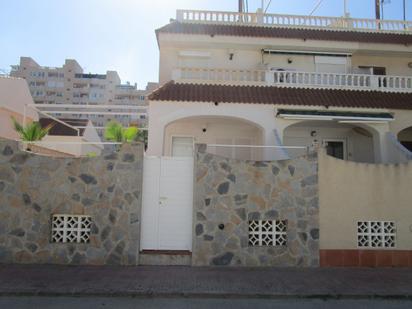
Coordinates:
(339,116)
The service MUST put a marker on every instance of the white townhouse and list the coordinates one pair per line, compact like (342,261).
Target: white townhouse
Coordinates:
(231,78)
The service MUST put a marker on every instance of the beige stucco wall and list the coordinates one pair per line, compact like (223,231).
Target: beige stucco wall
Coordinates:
(247,53)
(54,142)
(351,192)
(395,65)
(6,124)
(403,120)
(14,95)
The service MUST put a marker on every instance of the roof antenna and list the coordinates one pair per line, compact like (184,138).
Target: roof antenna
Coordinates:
(316,7)
(345,8)
(378,9)
(240,6)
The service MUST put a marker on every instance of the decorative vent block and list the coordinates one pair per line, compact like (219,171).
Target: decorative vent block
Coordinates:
(267,232)
(71,228)
(376,234)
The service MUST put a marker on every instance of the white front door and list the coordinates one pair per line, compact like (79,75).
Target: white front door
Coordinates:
(167,203)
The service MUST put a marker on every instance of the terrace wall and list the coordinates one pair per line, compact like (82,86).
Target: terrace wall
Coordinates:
(350,192)
(34,187)
(228,194)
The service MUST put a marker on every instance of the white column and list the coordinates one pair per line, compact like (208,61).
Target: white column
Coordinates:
(380,145)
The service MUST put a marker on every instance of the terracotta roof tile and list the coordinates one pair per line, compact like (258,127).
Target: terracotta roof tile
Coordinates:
(281,32)
(282,96)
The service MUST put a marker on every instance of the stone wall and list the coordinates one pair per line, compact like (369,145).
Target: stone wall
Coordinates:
(228,193)
(33,187)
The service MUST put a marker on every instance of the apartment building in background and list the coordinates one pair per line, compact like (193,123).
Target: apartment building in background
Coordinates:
(70,85)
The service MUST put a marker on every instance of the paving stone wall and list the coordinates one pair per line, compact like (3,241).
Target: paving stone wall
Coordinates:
(33,187)
(228,193)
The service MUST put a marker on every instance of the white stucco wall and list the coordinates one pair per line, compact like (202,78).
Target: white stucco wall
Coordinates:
(163,113)
(264,117)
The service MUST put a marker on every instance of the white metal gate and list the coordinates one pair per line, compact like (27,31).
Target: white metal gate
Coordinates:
(167,203)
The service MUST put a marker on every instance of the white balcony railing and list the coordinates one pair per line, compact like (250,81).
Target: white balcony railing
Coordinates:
(220,75)
(295,79)
(337,80)
(324,22)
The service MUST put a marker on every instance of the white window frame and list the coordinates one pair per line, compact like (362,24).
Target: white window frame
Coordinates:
(343,140)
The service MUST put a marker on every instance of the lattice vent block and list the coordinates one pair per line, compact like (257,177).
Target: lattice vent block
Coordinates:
(71,228)
(267,233)
(376,234)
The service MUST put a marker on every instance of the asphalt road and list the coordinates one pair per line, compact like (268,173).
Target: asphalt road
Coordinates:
(182,303)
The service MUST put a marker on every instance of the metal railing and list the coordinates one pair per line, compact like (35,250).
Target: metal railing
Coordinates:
(324,22)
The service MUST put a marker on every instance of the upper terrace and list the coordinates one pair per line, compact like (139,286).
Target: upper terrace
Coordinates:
(295,21)
(298,79)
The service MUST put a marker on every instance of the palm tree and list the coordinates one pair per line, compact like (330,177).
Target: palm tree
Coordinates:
(31,132)
(116,133)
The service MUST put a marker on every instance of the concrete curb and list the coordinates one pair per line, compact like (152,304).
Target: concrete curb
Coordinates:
(151,294)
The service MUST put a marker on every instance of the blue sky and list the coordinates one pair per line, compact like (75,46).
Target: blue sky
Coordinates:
(119,34)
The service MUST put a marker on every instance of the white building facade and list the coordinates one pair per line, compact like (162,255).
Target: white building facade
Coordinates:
(292,81)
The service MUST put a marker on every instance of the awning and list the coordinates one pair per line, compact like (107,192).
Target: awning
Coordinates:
(340,116)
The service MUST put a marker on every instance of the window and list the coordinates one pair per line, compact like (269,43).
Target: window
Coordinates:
(327,64)
(38,93)
(37,74)
(335,148)
(267,233)
(376,234)
(182,146)
(71,228)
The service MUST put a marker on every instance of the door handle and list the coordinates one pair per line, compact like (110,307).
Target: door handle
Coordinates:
(161,199)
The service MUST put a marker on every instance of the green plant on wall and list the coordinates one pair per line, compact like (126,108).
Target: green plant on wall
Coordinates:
(115,132)
(91,154)
(31,132)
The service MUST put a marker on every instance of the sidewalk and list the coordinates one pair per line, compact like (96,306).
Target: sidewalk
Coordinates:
(174,281)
